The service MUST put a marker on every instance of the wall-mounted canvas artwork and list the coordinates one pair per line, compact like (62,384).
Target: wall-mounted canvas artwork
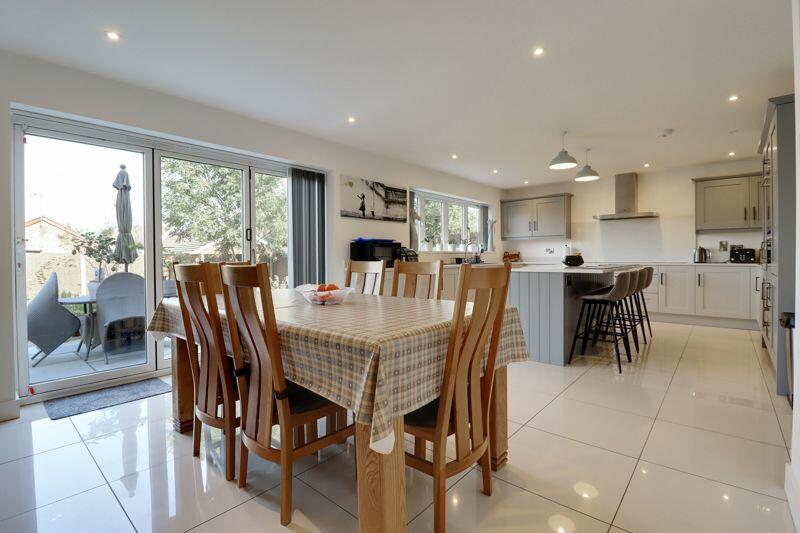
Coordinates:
(372,200)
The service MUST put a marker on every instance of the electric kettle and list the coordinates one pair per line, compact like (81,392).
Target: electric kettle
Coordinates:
(700,255)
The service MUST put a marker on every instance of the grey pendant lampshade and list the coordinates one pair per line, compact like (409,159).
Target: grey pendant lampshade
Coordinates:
(587,173)
(563,160)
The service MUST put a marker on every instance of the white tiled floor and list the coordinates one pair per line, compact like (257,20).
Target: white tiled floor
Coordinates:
(689,438)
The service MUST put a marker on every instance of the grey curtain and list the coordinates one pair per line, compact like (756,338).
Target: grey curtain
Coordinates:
(308,226)
(484,221)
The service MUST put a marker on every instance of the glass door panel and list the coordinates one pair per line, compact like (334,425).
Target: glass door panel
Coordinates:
(85,262)
(201,216)
(270,240)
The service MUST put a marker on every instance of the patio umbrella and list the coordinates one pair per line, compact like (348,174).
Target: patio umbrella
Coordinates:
(125,250)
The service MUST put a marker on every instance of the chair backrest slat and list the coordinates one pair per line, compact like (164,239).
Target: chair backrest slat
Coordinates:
(211,368)
(464,392)
(369,276)
(422,279)
(260,338)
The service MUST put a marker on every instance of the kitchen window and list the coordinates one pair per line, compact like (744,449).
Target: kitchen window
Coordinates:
(441,223)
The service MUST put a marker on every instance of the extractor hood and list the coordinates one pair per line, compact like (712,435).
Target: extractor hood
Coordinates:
(625,193)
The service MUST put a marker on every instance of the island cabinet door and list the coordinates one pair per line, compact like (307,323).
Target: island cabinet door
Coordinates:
(676,289)
(722,291)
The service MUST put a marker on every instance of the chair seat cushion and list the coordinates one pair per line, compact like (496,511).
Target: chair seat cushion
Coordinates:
(302,400)
(425,416)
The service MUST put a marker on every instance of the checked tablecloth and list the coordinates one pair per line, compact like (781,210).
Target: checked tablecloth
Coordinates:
(379,356)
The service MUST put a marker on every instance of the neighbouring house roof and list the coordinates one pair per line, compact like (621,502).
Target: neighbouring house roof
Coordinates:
(51,222)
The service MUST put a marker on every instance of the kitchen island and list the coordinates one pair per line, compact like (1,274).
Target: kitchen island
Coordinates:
(547,299)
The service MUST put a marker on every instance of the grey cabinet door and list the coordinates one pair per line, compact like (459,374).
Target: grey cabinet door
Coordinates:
(756,201)
(517,223)
(723,203)
(549,217)
(676,289)
(722,291)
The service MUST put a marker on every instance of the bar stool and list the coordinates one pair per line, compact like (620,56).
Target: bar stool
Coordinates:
(649,272)
(594,307)
(628,306)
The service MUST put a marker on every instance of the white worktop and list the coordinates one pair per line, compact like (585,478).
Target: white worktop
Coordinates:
(555,263)
(588,268)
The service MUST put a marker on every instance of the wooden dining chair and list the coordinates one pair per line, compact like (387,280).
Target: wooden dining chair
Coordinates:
(369,276)
(421,279)
(463,406)
(212,370)
(267,397)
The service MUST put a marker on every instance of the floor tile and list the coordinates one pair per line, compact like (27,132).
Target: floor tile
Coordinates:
(620,396)
(184,493)
(508,509)
(312,513)
(93,510)
(632,374)
(662,500)
(36,436)
(579,476)
(524,403)
(336,480)
(140,447)
(619,432)
(46,478)
(110,419)
(714,412)
(743,463)
(540,377)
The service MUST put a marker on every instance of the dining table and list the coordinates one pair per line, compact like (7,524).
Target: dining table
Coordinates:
(379,357)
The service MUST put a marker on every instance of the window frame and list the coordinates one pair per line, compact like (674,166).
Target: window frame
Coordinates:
(448,202)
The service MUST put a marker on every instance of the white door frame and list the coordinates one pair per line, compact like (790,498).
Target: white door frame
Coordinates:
(23,376)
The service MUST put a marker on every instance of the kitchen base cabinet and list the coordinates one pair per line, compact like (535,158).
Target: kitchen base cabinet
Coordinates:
(676,293)
(722,292)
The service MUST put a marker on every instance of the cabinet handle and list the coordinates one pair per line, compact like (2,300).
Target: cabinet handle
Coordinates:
(535,228)
(757,278)
(745,213)
(698,280)
(529,226)
(661,277)
(755,213)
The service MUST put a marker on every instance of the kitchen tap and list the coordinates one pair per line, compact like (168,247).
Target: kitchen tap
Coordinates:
(476,255)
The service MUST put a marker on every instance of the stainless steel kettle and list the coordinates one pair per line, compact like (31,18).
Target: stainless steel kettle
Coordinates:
(700,255)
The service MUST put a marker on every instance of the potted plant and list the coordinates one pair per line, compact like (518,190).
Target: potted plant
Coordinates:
(99,247)
(424,246)
(437,245)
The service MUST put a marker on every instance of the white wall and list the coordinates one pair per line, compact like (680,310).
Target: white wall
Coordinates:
(37,83)
(670,237)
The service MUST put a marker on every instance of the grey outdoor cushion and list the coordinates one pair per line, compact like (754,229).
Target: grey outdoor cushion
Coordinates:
(49,322)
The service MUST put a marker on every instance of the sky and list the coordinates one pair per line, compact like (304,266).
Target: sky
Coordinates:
(71,183)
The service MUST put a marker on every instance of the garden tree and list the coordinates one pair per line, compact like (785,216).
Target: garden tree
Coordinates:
(203,203)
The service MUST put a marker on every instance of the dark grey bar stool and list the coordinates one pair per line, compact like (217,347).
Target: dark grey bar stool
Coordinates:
(591,322)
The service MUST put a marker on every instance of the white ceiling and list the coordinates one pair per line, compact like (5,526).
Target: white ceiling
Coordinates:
(428,79)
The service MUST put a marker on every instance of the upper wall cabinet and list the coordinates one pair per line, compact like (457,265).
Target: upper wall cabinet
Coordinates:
(533,218)
(728,203)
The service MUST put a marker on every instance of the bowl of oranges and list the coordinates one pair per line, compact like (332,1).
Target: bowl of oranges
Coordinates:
(324,293)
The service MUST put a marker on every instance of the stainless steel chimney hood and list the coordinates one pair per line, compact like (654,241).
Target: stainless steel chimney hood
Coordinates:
(625,194)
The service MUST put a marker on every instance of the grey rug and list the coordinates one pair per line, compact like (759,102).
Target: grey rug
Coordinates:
(92,401)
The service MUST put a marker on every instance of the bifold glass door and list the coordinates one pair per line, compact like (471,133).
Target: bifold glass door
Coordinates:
(83,259)
(99,226)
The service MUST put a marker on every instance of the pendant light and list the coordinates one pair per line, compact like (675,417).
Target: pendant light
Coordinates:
(587,173)
(563,160)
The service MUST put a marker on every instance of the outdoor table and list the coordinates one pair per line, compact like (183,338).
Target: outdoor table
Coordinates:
(88,303)
(378,356)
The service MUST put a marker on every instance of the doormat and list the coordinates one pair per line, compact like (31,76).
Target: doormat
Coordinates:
(99,399)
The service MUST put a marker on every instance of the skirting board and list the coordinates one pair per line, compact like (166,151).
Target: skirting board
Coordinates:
(9,410)
(792,489)
(694,320)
